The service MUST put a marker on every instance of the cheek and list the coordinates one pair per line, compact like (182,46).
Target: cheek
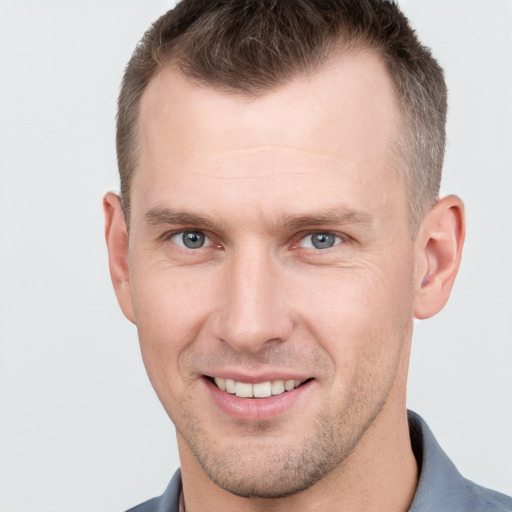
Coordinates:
(361,314)
(169,301)
(170,308)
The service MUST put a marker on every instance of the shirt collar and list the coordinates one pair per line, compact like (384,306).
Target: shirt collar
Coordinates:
(440,486)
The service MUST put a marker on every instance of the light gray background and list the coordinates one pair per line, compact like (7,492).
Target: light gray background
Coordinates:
(80,427)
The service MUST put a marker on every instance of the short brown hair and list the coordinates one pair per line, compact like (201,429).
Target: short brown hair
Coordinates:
(252,46)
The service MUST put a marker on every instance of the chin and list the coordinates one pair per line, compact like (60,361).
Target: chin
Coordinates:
(274,478)
(272,467)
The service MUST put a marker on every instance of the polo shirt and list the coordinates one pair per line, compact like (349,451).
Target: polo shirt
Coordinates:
(441,488)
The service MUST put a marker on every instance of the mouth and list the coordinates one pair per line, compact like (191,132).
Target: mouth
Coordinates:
(258,390)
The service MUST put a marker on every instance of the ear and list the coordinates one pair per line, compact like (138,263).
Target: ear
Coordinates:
(439,250)
(116,237)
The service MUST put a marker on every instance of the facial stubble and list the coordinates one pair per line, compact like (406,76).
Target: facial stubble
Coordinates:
(258,464)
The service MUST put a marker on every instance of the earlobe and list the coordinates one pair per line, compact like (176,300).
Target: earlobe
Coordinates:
(116,237)
(439,250)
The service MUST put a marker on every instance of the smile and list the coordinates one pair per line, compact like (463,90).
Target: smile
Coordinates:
(259,390)
(257,401)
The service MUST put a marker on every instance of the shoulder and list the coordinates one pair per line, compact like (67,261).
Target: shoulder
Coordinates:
(152,505)
(168,502)
(481,498)
(441,487)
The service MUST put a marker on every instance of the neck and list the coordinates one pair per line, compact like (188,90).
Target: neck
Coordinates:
(379,475)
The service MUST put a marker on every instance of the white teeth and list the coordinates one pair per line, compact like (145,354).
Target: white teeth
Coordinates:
(277,387)
(243,390)
(221,383)
(259,390)
(230,386)
(262,390)
(289,385)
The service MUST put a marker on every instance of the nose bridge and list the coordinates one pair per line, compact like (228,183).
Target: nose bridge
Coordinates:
(254,312)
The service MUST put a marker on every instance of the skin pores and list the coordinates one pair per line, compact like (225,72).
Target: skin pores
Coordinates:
(270,241)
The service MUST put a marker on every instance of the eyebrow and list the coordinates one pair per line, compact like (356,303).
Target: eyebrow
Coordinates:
(157,216)
(340,215)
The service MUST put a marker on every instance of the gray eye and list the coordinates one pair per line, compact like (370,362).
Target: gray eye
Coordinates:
(191,239)
(320,241)
(323,240)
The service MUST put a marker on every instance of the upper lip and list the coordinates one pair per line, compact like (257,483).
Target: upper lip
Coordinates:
(257,378)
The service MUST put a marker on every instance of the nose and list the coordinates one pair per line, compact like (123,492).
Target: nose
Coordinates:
(255,313)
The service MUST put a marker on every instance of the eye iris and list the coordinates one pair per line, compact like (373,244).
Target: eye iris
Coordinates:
(193,239)
(322,240)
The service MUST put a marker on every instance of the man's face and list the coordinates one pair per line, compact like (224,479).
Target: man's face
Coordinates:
(270,243)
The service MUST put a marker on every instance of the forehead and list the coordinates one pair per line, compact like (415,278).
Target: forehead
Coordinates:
(335,128)
(353,89)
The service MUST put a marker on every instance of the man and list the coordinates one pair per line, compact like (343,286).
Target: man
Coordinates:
(278,229)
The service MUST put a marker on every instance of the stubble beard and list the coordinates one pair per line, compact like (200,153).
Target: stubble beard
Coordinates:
(253,468)
(260,464)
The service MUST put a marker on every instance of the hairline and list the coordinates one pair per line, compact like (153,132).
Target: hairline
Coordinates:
(401,143)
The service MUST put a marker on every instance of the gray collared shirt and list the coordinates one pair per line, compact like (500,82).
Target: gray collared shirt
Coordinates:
(441,487)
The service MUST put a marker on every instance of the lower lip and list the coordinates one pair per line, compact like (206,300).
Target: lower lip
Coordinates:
(255,409)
